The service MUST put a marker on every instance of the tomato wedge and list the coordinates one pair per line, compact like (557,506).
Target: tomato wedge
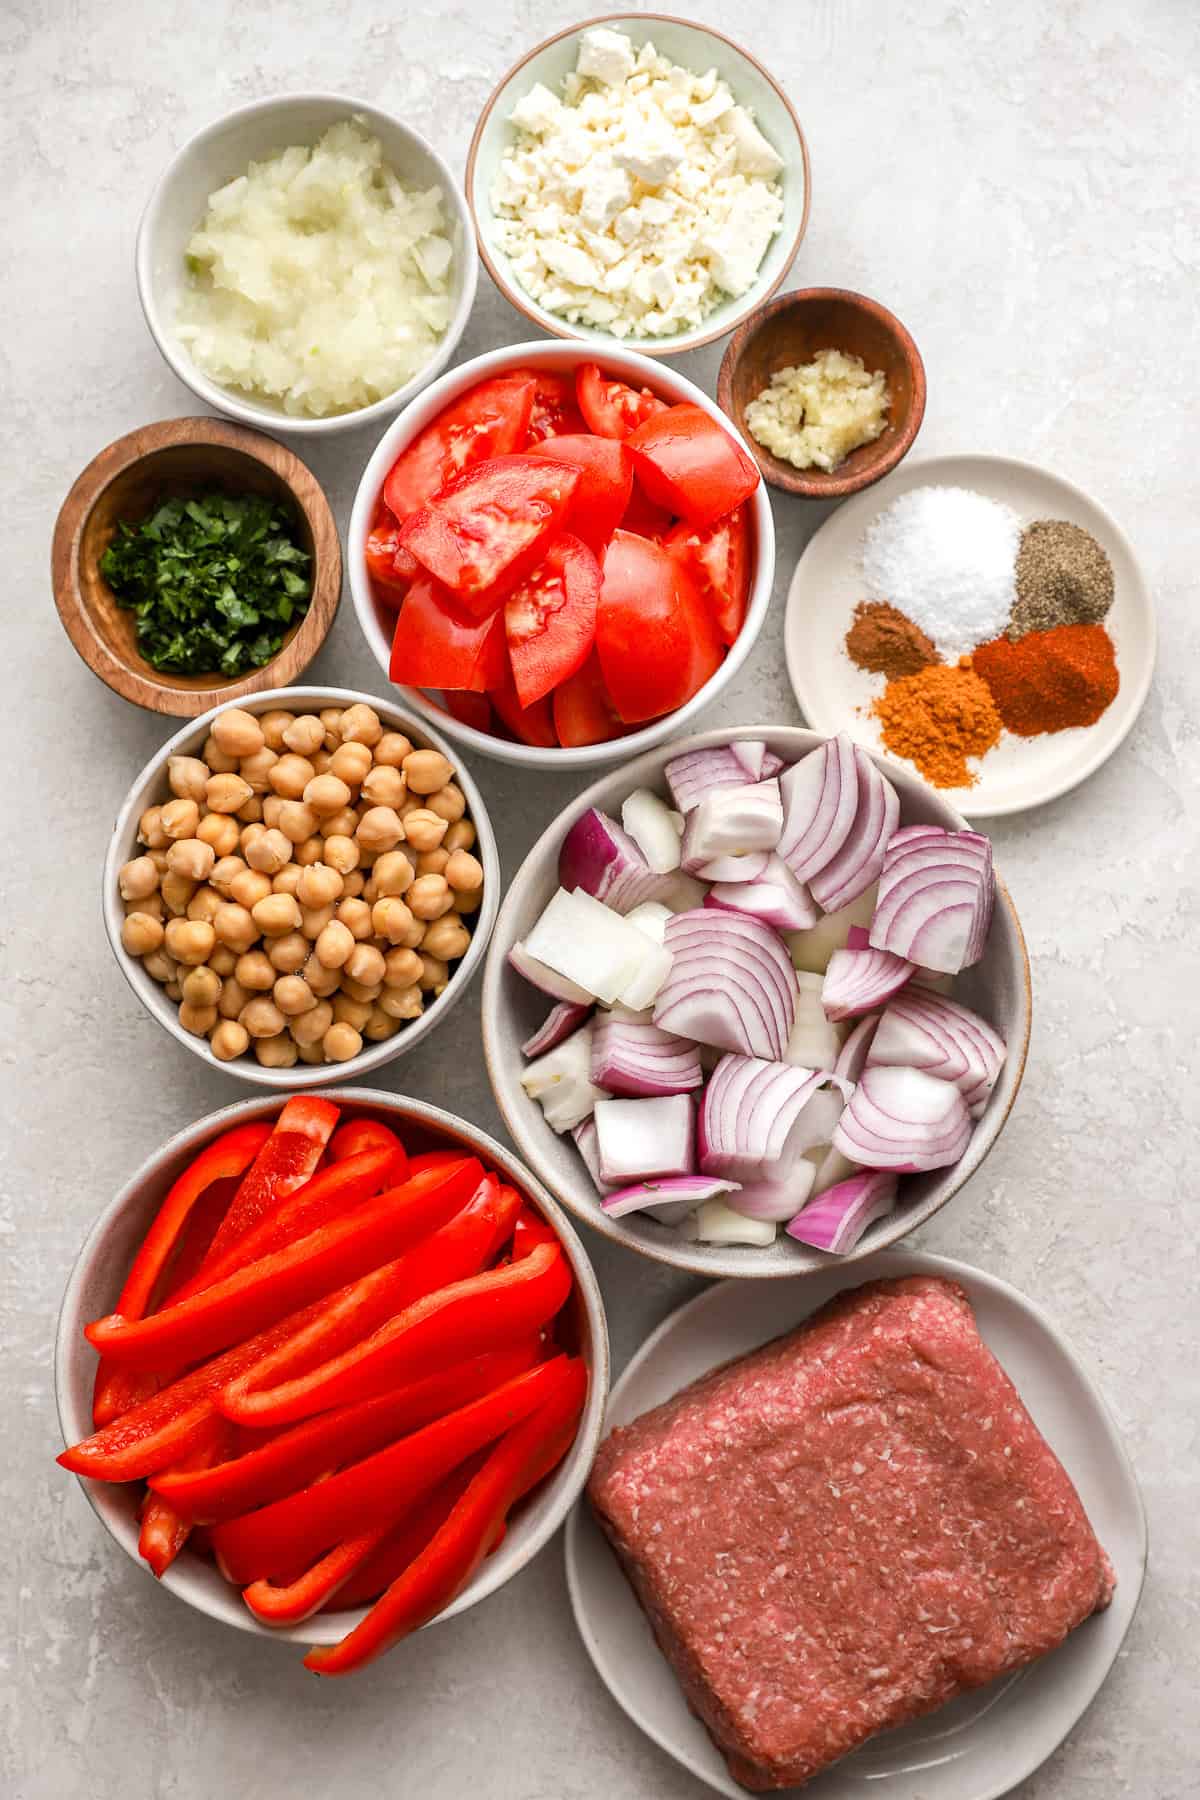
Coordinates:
(692,465)
(583,712)
(484,531)
(433,647)
(605,484)
(490,419)
(383,541)
(555,408)
(642,516)
(550,620)
(655,638)
(531,724)
(719,562)
(612,408)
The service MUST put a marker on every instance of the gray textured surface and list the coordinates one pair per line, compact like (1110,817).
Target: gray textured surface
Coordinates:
(1018,183)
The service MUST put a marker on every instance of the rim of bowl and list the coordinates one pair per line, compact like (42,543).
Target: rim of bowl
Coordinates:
(70,1343)
(738,1262)
(228,400)
(304,1075)
(547,321)
(551,353)
(804,483)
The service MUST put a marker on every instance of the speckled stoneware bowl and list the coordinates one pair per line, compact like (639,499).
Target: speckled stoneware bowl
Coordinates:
(96,1280)
(998,987)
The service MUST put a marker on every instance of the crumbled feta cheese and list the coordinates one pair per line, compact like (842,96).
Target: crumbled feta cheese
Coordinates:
(754,155)
(538,111)
(650,155)
(605,56)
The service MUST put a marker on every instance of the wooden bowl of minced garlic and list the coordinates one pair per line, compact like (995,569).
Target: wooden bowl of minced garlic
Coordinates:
(827,388)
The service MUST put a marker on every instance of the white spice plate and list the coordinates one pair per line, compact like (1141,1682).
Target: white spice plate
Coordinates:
(834,695)
(981,1745)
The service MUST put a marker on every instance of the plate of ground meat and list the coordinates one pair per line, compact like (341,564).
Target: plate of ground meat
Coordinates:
(878,1532)
(979,620)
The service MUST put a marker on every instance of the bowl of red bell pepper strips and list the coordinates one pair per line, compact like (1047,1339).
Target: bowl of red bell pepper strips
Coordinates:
(332,1369)
(561,560)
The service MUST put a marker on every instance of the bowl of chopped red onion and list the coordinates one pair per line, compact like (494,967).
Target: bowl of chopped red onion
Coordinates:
(754,1002)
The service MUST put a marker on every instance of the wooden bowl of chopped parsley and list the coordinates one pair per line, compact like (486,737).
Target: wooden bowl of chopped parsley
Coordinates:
(196,562)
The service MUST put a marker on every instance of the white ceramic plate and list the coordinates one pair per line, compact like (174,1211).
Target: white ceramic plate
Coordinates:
(980,1746)
(834,695)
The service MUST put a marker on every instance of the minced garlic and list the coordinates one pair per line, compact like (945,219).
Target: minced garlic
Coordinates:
(815,415)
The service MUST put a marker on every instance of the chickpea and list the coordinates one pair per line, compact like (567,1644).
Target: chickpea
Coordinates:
(191,857)
(342,824)
(341,853)
(350,763)
(321,760)
(305,734)
(331,719)
(252,812)
(430,897)
(138,879)
(309,1027)
(370,891)
(351,1012)
(463,871)
(292,995)
(225,793)
(223,961)
(173,992)
(423,829)
(379,828)
(189,941)
(176,891)
(391,750)
(341,1042)
(412,937)
(384,786)
(335,945)
(150,829)
(276,914)
(402,968)
(353,884)
(410,804)
(219,761)
(219,830)
(229,1040)
(202,987)
(268,851)
(273,725)
(390,919)
(321,980)
(180,818)
(290,776)
(238,732)
(249,887)
(426,771)
(468,900)
(380,1026)
(159,859)
(434,973)
(287,879)
(197,1019)
(433,862)
(314,919)
(361,990)
(257,768)
(360,724)
(254,972)
(311,851)
(278,1052)
(449,803)
(272,806)
(141,934)
(365,965)
(309,1053)
(393,873)
(204,905)
(233,997)
(402,1002)
(250,834)
(319,886)
(461,836)
(261,1017)
(152,906)
(159,965)
(186,777)
(355,915)
(326,794)
(446,939)
(289,952)
(296,821)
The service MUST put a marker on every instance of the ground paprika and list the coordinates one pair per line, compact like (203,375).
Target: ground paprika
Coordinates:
(1050,680)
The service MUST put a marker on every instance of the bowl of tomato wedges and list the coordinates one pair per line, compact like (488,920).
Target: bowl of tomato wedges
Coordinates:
(561,560)
(331,1369)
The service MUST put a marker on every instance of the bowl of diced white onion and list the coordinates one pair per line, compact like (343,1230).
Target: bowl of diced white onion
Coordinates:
(307,264)
(627,1080)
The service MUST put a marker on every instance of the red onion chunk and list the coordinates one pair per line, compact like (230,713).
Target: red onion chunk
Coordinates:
(547,980)
(668,1200)
(731,984)
(560,1081)
(645,1140)
(585,1142)
(771,765)
(748,1111)
(638,1059)
(751,753)
(775,897)
(595,947)
(820,803)
(732,822)
(860,980)
(599,856)
(904,1120)
(699,772)
(852,1057)
(936,895)
(735,868)
(649,821)
(836,1219)
(558,1024)
(778,1195)
(924,1030)
(857,864)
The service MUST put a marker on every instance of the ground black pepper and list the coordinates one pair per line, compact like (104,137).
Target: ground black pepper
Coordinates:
(1064,577)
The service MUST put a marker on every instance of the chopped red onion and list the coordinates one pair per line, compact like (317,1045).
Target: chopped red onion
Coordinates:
(585,1142)
(732,822)
(820,800)
(651,918)
(713,1222)
(669,1200)
(700,772)
(747,1113)
(561,1082)
(558,1024)
(739,869)
(775,897)
(751,753)
(599,857)
(778,1195)
(837,1218)
(771,765)
(590,944)
(852,1057)
(644,1140)
(650,823)
(731,984)
(860,980)
(815,1040)
(638,1060)
(904,1120)
(831,1167)
(857,864)
(547,981)
(936,894)
(923,1030)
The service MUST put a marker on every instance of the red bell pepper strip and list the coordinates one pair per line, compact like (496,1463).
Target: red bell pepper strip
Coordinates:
(296,1457)
(164,1530)
(529,1231)
(405,1542)
(518,1462)
(357,1135)
(285,1162)
(460,1248)
(289,1534)
(432,1159)
(483,1312)
(230,1156)
(265,1290)
(288,1604)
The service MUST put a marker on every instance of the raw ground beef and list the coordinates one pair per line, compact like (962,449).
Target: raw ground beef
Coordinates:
(847,1528)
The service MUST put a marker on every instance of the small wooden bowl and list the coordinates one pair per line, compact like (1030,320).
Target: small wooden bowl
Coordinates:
(790,330)
(129,479)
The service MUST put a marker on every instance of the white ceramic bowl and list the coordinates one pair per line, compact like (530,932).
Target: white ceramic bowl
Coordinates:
(378,622)
(95,1282)
(225,149)
(693,47)
(998,987)
(150,789)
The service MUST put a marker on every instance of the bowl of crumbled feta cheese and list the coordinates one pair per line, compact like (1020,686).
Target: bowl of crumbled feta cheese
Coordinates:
(639,179)
(307,263)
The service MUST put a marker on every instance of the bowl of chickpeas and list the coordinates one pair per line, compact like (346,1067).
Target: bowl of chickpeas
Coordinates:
(304,880)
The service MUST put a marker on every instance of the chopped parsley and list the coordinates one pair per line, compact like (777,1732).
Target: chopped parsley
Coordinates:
(216,582)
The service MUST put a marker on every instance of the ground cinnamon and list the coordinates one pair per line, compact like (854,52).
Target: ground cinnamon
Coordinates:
(1050,680)
(881,639)
(937,718)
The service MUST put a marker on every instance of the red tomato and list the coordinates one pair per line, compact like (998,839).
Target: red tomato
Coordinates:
(432,647)
(654,636)
(468,708)
(612,408)
(488,528)
(550,620)
(643,517)
(555,410)
(490,419)
(690,464)
(583,712)
(532,724)
(605,482)
(719,562)
(383,541)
